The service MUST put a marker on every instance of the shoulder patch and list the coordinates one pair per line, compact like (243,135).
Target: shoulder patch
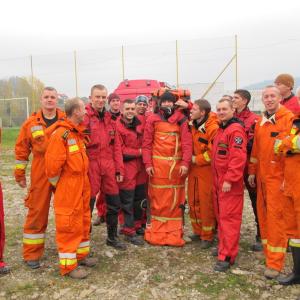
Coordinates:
(238,140)
(65,134)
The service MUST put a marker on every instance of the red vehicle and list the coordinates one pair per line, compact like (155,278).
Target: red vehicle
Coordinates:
(129,89)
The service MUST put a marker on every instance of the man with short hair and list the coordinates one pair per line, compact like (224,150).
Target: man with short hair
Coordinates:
(66,165)
(114,103)
(228,164)
(285,84)
(204,125)
(133,188)
(241,99)
(141,102)
(33,138)
(267,169)
(167,153)
(106,167)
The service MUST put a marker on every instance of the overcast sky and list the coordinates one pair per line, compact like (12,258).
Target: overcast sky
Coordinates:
(268,40)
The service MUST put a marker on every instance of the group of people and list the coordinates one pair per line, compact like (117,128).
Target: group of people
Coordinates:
(132,160)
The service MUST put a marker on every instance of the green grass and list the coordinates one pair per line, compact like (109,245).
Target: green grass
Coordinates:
(9,136)
(216,285)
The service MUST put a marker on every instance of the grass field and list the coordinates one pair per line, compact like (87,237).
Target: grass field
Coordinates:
(9,136)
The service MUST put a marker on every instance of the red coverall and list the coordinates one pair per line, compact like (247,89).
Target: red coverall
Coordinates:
(249,119)
(201,207)
(228,162)
(66,165)
(106,161)
(2,230)
(167,145)
(268,169)
(292,103)
(33,138)
(100,201)
(132,189)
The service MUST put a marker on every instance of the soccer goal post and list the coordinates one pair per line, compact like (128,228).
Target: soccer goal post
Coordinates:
(14,111)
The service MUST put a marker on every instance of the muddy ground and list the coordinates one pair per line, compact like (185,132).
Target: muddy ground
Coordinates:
(139,273)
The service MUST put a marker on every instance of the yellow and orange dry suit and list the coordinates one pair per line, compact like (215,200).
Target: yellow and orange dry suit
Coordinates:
(167,146)
(33,138)
(268,169)
(67,169)
(200,200)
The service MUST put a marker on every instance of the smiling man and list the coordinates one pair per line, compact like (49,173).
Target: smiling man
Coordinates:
(228,163)
(105,156)
(203,125)
(241,99)
(267,168)
(33,138)
(133,188)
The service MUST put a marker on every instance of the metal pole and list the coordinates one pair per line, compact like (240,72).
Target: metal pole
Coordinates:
(177,68)
(236,63)
(32,88)
(27,108)
(76,78)
(123,64)
(213,83)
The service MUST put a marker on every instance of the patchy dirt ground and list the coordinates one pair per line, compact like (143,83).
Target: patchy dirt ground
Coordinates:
(140,273)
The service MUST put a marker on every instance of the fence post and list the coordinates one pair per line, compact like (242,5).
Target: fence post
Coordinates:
(177,68)
(123,63)
(32,88)
(76,78)
(236,63)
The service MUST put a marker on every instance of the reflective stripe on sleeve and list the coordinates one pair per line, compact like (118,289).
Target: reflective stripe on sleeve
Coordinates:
(253,160)
(207,228)
(296,143)
(206,156)
(21,164)
(277,145)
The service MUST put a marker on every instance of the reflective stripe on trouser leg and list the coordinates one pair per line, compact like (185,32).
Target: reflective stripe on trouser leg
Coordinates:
(67,261)
(83,250)
(38,203)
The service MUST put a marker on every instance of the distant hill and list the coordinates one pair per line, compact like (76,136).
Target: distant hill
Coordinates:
(262,84)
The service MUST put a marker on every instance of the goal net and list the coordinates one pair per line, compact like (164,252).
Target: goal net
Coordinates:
(14,111)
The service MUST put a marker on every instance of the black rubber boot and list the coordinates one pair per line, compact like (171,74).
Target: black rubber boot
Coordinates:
(257,246)
(222,266)
(112,238)
(294,277)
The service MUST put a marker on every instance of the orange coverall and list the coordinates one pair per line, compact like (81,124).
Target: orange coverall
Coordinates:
(33,138)
(268,169)
(200,201)
(290,146)
(167,145)
(67,168)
